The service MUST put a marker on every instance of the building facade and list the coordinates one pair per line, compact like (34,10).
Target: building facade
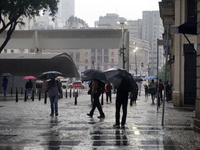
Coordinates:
(184,71)
(152,29)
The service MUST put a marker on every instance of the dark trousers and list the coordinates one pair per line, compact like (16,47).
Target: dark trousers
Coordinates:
(121,101)
(160,95)
(97,104)
(108,95)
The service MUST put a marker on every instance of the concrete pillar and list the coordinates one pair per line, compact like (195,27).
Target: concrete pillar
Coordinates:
(178,92)
(197,110)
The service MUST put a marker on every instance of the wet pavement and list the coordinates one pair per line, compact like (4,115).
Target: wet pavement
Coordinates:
(28,126)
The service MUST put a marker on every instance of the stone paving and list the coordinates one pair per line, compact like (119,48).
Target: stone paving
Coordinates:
(28,126)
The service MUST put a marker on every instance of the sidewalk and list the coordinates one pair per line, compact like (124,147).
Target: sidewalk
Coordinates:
(28,126)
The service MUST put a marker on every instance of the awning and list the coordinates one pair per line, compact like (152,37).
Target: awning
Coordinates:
(189,27)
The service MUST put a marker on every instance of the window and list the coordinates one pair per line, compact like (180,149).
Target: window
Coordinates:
(86,54)
(106,52)
(77,56)
(86,60)
(71,54)
(191,9)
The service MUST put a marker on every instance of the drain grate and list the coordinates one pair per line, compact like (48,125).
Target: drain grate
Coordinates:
(178,124)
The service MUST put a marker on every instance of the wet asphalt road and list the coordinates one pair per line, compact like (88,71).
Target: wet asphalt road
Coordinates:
(28,126)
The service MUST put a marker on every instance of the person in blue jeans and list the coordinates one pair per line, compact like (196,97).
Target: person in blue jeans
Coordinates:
(29,88)
(53,88)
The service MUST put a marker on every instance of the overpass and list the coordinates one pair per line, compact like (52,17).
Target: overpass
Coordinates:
(70,39)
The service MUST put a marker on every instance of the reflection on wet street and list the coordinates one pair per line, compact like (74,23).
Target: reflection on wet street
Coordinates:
(28,126)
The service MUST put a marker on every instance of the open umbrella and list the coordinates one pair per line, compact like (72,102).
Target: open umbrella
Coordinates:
(6,75)
(120,78)
(29,77)
(150,78)
(49,75)
(91,74)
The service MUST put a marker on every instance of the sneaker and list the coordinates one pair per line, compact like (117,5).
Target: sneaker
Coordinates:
(89,115)
(51,115)
(56,114)
(116,126)
(100,117)
(123,126)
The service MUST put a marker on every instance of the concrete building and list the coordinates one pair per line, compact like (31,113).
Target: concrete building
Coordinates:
(108,21)
(185,72)
(66,9)
(152,29)
(75,23)
(135,33)
(135,28)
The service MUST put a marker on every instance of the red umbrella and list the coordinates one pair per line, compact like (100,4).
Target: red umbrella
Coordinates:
(29,77)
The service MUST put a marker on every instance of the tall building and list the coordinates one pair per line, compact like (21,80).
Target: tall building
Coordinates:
(135,28)
(66,9)
(152,29)
(108,21)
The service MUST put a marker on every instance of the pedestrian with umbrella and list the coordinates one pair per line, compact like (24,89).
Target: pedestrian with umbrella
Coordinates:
(97,77)
(53,89)
(5,82)
(29,85)
(124,83)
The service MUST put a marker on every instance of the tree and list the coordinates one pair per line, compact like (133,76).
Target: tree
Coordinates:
(12,12)
(161,74)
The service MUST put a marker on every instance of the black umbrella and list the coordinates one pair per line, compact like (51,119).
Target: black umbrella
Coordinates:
(49,75)
(91,74)
(120,78)
(137,79)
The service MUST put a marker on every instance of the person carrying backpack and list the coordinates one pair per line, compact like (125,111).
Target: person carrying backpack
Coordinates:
(152,90)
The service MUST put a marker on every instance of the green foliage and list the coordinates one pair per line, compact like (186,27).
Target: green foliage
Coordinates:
(161,74)
(27,8)
(12,12)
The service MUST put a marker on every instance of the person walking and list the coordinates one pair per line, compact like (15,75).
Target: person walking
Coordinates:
(90,92)
(152,90)
(121,101)
(97,89)
(108,89)
(146,90)
(54,90)
(160,89)
(4,84)
(168,91)
(134,95)
(29,88)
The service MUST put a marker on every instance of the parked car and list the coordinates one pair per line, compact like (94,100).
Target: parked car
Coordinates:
(78,84)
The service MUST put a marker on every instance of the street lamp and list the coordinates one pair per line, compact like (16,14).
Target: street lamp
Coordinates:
(123,46)
(135,50)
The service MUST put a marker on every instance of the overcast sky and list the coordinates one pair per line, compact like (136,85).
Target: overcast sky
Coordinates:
(90,10)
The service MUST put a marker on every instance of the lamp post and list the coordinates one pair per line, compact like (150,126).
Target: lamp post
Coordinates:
(135,50)
(123,46)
